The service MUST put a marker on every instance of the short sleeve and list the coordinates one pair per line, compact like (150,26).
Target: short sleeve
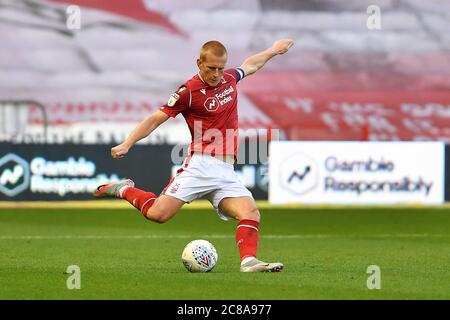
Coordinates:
(178,102)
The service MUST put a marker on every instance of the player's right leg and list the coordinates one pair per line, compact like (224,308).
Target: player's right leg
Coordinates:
(157,209)
(164,208)
(245,211)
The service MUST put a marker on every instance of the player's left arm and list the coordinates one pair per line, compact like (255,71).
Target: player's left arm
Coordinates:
(257,61)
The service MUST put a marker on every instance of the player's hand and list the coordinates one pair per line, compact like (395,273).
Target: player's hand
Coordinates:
(282,46)
(119,151)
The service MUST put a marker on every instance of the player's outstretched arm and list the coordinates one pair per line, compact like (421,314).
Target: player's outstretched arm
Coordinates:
(145,128)
(257,61)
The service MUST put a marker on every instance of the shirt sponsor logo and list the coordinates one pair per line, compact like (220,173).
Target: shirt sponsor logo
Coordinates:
(212,104)
(224,96)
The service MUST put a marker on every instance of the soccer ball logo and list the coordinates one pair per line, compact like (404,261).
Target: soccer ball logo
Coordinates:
(199,256)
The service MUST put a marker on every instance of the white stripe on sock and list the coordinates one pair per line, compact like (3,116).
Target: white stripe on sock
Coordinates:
(122,190)
(247,225)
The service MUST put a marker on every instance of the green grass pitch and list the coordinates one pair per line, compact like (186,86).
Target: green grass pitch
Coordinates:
(326,253)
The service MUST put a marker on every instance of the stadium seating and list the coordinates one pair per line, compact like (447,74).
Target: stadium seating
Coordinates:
(341,81)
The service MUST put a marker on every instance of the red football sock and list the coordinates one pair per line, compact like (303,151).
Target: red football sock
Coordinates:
(139,199)
(247,238)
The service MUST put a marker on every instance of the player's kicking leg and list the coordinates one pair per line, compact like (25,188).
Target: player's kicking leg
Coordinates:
(157,209)
(244,209)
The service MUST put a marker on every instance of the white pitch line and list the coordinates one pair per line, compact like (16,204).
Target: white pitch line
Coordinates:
(204,204)
(220,236)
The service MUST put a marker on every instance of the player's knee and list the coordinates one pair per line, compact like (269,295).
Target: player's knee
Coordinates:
(251,214)
(256,215)
(157,216)
(160,219)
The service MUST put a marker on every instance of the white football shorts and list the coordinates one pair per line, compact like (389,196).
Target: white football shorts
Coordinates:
(205,177)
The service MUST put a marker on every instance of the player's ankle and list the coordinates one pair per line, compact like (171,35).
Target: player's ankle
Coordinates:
(122,192)
(247,259)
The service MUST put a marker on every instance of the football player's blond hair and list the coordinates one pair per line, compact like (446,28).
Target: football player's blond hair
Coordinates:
(213,46)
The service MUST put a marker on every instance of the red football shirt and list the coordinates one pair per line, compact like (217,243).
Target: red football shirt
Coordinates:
(210,112)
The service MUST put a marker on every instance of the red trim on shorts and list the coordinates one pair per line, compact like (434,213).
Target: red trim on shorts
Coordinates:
(171,180)
(179,171)
(188,159)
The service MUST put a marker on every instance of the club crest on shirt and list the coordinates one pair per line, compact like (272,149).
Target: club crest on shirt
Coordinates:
(173,99)
(175,188)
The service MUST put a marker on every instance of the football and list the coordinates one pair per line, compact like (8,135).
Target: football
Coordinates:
(199,256)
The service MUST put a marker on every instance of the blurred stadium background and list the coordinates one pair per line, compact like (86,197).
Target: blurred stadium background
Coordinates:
(67,96)
(341,81)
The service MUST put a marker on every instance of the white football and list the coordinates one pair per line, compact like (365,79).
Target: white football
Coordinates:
(199,256)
